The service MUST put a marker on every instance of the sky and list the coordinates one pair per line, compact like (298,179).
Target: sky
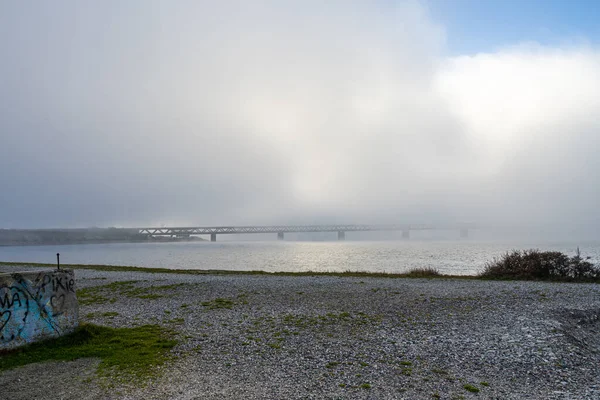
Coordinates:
(205,113)
(475,26)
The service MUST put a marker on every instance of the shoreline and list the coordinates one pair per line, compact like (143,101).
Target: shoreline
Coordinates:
(264,336)
(150,270)
(416,273)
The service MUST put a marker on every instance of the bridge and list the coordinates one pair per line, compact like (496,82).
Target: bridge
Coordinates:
(281,230)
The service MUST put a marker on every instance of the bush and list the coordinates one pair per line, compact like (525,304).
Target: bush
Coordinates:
(428,272)
(541,265)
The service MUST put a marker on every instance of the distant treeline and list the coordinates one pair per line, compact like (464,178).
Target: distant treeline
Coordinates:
(16,237)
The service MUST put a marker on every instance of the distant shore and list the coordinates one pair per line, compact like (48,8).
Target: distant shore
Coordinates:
(103,241)
(53,237)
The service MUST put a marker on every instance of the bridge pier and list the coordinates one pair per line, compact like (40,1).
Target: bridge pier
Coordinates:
(279,235)
(341,235)
(464,233)
(406,234)
(213,237)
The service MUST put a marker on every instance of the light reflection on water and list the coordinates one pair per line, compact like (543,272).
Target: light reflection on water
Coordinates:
(451,257)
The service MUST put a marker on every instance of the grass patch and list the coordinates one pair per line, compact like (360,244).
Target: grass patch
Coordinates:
(218,303)
(345,274)
(110,292)
(110,314)
(124,352)
(542,265)
(439,371)
(470,388)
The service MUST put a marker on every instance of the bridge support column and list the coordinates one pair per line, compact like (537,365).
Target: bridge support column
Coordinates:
(279,235)
(341,235)
(406,234)
(464,233)
(213,237)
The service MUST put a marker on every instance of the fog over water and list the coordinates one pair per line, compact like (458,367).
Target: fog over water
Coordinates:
(205,113)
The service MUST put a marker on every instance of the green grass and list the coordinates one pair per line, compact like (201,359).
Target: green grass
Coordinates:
(470,388)
(109,314)
(218,303)
(345,274)
(108,293)
(439,371)
(124,352)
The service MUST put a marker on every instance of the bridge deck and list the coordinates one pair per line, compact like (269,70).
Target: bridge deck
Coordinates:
(170,231)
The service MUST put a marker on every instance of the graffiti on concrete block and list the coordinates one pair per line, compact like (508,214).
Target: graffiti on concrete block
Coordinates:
(35,306)
(14,308)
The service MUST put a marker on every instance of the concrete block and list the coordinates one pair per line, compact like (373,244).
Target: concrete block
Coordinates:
(36,305)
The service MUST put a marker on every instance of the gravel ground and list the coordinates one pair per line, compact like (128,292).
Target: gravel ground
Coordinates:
(333,338)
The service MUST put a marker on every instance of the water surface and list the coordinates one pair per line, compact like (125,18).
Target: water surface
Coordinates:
(464,257)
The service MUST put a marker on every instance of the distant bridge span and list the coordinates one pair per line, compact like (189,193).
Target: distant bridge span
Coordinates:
(280,230)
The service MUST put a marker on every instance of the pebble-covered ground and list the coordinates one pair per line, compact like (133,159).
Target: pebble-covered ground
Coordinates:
(270,337)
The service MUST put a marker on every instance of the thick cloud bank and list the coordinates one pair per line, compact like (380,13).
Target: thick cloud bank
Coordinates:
(143,113)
